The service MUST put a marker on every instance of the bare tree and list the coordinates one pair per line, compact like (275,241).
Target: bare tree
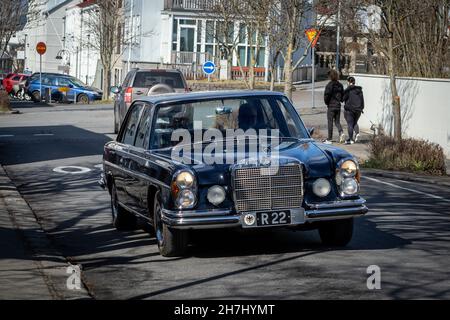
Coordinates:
(409,37)
(104,24)
(14,15)
(221,16)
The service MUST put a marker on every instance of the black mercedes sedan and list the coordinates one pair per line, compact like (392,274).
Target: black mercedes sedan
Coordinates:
(227,159)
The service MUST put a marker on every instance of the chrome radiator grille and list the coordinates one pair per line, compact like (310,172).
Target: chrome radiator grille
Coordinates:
(265,189)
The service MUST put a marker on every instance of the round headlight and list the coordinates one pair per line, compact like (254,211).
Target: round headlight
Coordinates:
(185,199)
(350,186)
(321,187)
(349,168)
(184,180)
(216,195)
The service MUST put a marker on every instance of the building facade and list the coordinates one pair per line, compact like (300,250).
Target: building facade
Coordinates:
(48,28)
(180,33)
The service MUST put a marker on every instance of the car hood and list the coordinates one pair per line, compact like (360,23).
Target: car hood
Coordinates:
(319,160)
(87,88)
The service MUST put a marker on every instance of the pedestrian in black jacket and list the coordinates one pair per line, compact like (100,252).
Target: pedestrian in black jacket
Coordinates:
(334,92)
(354,106)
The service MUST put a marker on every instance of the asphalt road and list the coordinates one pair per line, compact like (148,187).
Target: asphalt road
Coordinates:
(406,233)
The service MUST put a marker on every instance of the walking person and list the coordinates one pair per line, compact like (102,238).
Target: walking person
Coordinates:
(354,106)
(334,92)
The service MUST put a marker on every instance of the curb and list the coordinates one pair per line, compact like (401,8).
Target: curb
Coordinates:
(441,181)
(51,264)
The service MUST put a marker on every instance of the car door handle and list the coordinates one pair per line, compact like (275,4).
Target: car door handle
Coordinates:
(139,93)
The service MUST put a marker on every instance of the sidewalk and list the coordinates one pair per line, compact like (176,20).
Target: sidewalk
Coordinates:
(29,266)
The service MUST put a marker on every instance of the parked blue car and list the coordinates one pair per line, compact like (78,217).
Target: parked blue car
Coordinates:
(63,88)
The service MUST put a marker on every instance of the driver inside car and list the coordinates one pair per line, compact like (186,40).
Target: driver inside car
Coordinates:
(248,117)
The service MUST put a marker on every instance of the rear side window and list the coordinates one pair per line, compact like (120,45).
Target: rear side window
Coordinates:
(143,134)
(126,81)
(131,126)
(147,79)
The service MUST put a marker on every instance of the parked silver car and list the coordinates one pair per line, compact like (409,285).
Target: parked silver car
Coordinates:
(143,82)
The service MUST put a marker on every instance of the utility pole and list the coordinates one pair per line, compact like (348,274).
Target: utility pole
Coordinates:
(130,37)
(81,45)
(25,53)
(338,37)
(87,66)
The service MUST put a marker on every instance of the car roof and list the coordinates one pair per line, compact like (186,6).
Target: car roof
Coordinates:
(158,70)
(207,95)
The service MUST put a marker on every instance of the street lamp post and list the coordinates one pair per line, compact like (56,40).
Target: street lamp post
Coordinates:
(338,37)
(88,57)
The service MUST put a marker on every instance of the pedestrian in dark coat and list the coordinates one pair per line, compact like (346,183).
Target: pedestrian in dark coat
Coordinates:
(334,92)
(354,106)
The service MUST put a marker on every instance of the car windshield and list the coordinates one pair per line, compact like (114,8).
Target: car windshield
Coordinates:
(261,115)
(77,82)
(147,79)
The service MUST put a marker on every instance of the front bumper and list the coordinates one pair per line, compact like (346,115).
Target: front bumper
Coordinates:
(215,219)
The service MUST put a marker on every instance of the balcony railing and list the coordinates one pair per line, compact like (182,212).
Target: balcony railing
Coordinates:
(189,4)
(199,58)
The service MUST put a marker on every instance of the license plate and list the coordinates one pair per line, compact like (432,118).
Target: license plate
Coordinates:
(264,219)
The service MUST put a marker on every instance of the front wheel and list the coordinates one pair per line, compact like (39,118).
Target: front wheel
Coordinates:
(83,99)
(171,242)
(36,96)
(336,233)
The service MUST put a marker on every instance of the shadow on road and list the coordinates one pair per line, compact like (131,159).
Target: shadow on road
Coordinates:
(43,143)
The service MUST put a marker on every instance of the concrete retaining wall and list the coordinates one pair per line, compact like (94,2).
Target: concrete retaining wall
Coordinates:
(425,107)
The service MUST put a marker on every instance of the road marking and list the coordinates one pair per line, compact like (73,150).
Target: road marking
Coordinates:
(6,135)
(99,166)
(408,189)
(43,134)
(70,170)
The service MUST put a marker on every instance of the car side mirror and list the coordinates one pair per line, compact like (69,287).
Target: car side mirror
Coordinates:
(311,131)
(115,89)
(70,86)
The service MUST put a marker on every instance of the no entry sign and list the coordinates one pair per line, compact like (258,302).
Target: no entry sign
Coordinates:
(41,48)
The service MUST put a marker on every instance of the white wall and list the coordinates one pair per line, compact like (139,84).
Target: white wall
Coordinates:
(51,31)
(84,56)
(425,107)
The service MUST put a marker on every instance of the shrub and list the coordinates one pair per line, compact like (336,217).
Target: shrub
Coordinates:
(407,155)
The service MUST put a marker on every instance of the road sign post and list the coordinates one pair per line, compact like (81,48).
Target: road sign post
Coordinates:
(41,48)
(313,37)
(209,68)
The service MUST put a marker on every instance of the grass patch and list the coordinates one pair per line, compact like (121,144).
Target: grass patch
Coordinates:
(409,155)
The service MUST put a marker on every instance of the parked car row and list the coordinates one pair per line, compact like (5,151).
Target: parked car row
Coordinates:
(60,87)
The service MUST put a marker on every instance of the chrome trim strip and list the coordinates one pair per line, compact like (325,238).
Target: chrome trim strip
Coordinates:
(335,213)
(197,213)
(337,204)
(235,220)
(203,222)
(144,177)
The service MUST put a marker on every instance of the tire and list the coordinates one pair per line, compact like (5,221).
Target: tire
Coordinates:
(122,220)
(336,233)
(171,242)
(83,99)
(36,96)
